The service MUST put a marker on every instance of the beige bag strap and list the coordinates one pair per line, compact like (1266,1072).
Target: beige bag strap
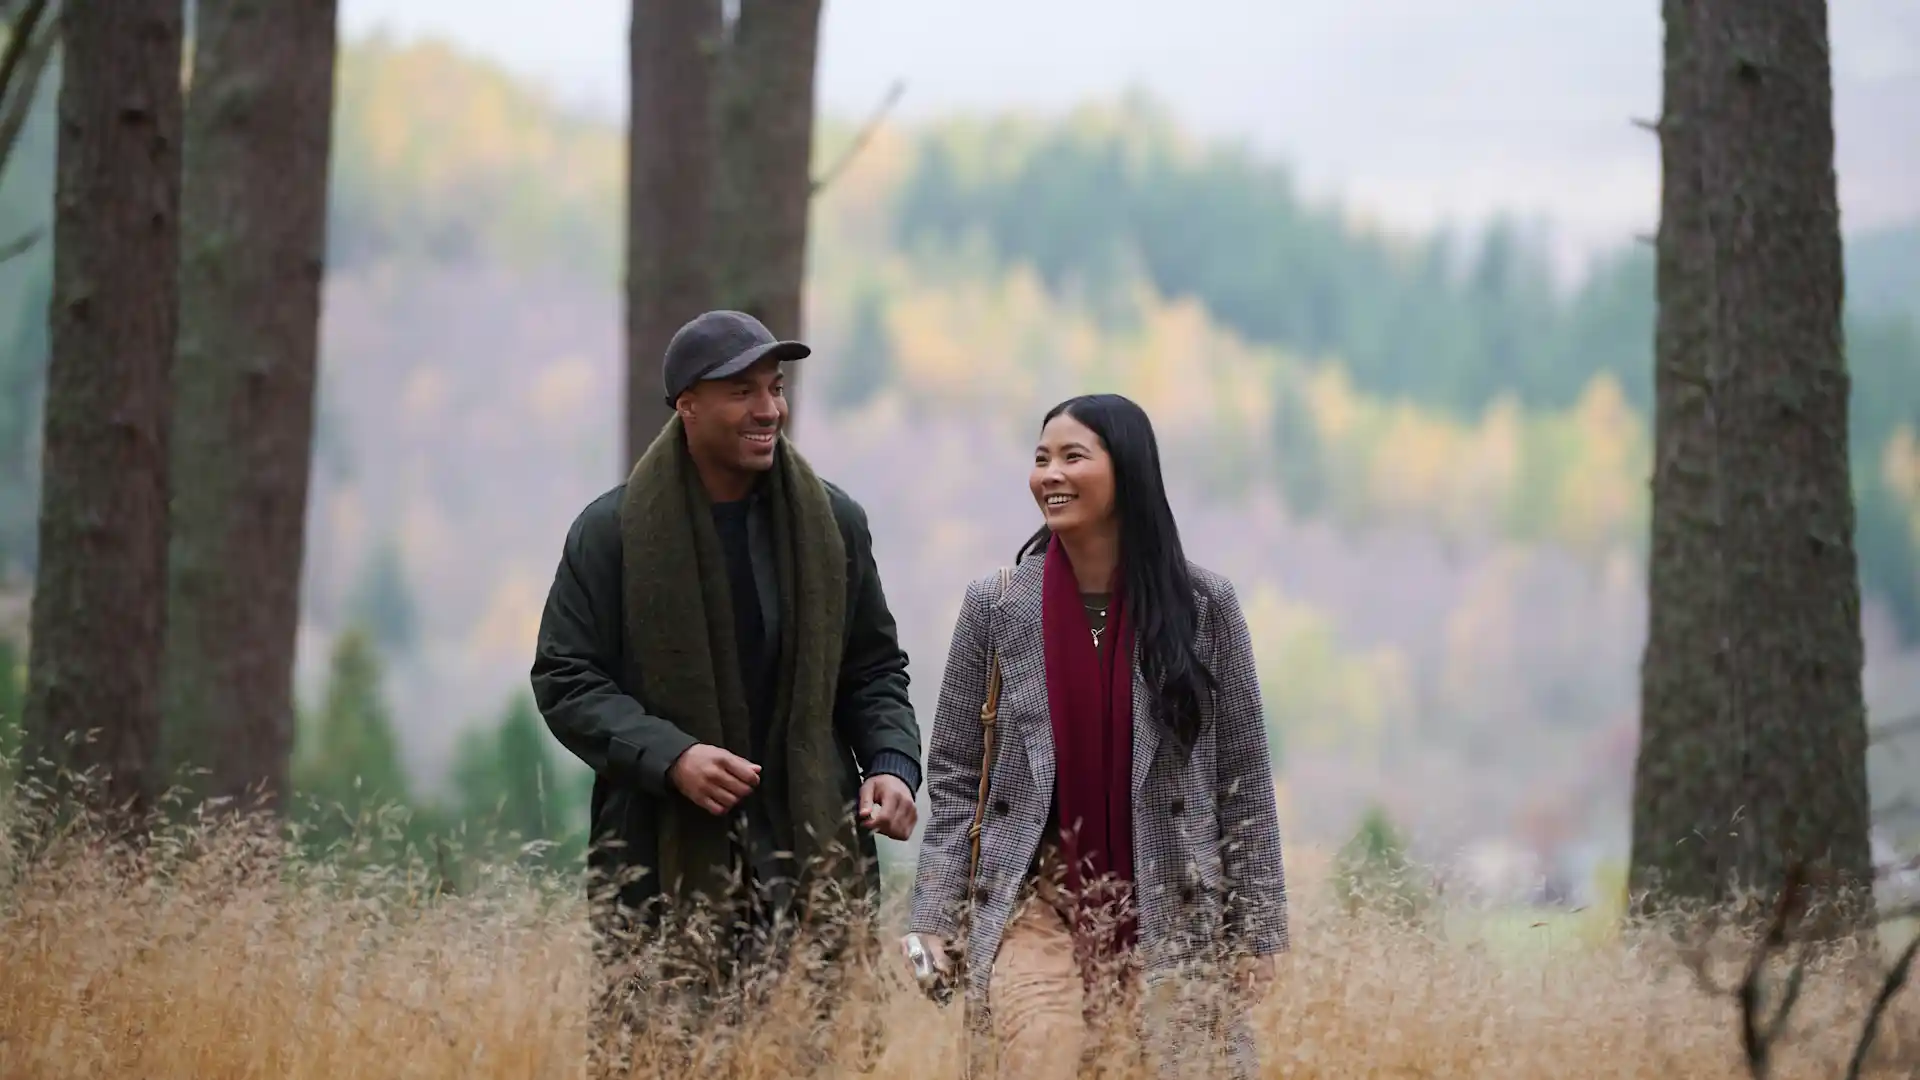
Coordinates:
(989,716)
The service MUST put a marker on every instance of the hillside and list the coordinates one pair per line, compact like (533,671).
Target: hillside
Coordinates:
(1425,474)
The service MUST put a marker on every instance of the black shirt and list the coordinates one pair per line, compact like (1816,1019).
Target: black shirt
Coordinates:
(749,628)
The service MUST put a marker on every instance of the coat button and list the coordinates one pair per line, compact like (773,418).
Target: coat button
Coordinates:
(999,806)
(980,894)
(1179,806)
(1186,894)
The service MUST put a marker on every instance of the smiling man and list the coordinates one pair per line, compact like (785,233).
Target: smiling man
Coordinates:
(717,647)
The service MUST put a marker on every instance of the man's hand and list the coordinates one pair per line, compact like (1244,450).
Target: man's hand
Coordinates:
(886,806)
(713,779)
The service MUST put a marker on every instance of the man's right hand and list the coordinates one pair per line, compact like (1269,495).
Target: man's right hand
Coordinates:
(713,779)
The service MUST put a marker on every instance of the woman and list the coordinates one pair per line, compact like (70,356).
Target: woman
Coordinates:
(1128,710)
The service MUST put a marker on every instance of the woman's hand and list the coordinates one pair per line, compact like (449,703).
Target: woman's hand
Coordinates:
(927,955)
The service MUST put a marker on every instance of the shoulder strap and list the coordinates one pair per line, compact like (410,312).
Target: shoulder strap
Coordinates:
(989,717)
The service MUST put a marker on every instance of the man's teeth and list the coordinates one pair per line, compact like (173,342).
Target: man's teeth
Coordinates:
(767,438)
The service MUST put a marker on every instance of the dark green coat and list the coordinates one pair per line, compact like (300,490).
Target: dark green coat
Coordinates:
(577,684)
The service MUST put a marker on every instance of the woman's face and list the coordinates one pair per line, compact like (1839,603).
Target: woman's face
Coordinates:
(1072,478)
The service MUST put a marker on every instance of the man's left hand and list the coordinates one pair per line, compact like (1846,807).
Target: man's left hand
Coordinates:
(886,806)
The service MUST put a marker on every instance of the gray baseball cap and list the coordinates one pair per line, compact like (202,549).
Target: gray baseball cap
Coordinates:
(720,345)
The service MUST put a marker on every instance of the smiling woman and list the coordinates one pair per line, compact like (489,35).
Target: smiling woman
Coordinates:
(1103,703)
(1072,481)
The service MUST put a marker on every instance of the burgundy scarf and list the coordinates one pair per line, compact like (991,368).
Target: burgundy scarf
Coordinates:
(1090,695)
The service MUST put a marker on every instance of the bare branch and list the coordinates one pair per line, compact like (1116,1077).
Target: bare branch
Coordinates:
(18,36)
(1758,1038)
(1646,125)
(1907,865)
(1894,981)
(20,70)
(1896,914)
(19,245)
(1906,725)
(1902,807)
(861,139)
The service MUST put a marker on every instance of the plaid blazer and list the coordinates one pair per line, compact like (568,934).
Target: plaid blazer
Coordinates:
(1209,879)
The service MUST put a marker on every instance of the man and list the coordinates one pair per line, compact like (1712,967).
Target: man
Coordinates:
(717,647)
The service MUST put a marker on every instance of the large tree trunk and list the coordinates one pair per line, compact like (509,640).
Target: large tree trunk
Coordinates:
(670,156)
(254,207)
(1753,752)
(100,599)
(765,183)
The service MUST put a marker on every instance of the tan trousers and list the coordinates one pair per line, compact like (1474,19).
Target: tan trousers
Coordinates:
(1044,1024)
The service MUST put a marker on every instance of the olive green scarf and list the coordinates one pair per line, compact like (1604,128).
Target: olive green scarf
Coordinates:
(682,658)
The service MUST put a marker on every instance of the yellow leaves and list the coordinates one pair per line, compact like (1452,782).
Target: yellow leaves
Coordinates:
(491,162)
(1900,470)
(510,621)
(1412,457)
(1603,488)
(1575,477)
(1900,464)
(1331,399)
(1319,694)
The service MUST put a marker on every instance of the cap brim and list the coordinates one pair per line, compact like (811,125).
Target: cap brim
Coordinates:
(779,350)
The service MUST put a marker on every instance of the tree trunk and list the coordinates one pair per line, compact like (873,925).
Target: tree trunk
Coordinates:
(99,602)
(670,156)
(764,183)
(254,206)
(1753,751)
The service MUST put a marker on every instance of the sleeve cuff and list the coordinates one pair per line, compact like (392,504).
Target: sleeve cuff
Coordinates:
(895,763)
(648,765)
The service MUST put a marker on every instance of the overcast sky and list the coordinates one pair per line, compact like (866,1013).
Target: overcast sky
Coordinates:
(1412,110)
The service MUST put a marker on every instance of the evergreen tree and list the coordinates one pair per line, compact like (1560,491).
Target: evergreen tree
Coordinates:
(509,786)
(1752,757)
(348,761)
(1373,873)
(382,602)
(1298,458)
(865,367)
(99,604)
(254,208)
(671,49)
(762,178)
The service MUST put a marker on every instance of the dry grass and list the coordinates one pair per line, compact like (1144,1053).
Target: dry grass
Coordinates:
(214,955)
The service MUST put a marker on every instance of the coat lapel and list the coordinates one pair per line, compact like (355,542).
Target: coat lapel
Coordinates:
(1023,669)
(1146,733)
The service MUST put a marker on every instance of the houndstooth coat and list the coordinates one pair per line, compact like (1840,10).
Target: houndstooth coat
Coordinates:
(1209,879)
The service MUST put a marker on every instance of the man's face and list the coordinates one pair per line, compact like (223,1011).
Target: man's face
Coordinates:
(734,423)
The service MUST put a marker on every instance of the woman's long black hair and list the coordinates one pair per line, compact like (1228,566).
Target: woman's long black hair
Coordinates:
(1153,563)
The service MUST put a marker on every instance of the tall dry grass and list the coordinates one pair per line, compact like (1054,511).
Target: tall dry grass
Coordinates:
(218,953)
